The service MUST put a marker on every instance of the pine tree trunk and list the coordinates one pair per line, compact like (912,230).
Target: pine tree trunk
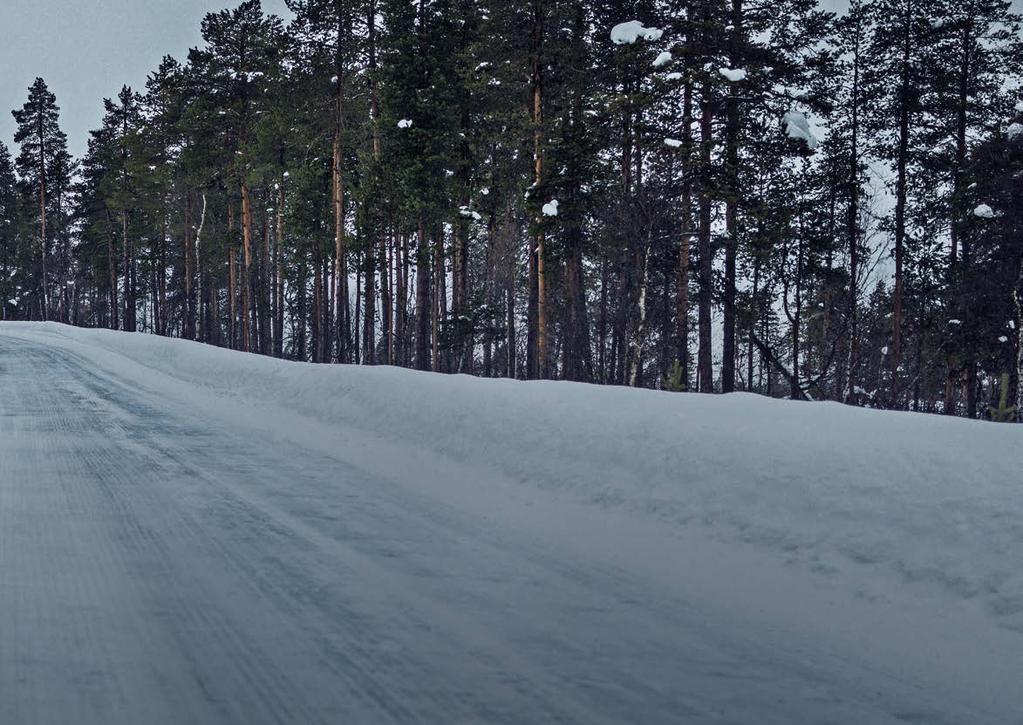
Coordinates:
(542,362)
(854,227)
(959,243)
(42,222)
(705,371)
(532,313)
(279,287)
(112,269)
(732,131)
(188,324)
(901,193)
(246,340)
(424,301)
(401,311)
(232,288)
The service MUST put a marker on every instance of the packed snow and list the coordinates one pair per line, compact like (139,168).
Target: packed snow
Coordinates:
(189,534)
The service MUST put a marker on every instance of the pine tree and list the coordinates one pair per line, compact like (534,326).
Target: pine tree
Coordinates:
(43,166)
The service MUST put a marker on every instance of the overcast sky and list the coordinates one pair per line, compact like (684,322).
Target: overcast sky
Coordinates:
(87,49)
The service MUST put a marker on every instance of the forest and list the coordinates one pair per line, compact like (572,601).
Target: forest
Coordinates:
(688,195)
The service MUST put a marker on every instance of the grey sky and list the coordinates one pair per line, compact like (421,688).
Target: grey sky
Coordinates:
(87,49)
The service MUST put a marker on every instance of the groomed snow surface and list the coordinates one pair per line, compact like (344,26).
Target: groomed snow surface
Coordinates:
(192,535)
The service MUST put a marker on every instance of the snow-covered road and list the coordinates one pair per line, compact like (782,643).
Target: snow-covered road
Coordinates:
(167,558)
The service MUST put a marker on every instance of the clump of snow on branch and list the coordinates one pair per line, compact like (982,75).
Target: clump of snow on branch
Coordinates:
(797,127)
(405,123)
(628,33)
(550,208)
(983,211)
(662,59)
(734,75)
(672,142)
(1014,131)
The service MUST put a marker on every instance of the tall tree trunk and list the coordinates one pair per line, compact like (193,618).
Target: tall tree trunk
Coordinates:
(732,132)
(188,323)
(424,301)
(687,230)
(901,193)
(341,271)
(704,365)
(246,341)
(42,220)
(401,306)
(279,287)
(542,363)
(854,225)
(959,243)
(112,270)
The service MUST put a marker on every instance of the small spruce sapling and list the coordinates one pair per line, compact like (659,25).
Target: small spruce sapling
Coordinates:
(1004,413)
(674,381)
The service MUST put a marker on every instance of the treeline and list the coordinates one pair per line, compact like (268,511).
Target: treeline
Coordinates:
(710,195)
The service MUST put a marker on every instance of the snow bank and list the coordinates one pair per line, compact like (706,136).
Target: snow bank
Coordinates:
(933,505)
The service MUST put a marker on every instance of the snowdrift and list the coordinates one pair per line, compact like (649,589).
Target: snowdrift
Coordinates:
(927,502)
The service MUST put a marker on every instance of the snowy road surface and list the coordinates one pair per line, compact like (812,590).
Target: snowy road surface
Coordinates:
(171,556)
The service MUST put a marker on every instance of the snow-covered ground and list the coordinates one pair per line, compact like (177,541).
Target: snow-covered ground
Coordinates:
(193,535)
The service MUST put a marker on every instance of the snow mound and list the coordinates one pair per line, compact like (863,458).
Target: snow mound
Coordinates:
(928,504)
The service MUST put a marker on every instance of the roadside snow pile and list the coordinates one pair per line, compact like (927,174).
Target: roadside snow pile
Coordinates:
(929,504)
(628,33)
